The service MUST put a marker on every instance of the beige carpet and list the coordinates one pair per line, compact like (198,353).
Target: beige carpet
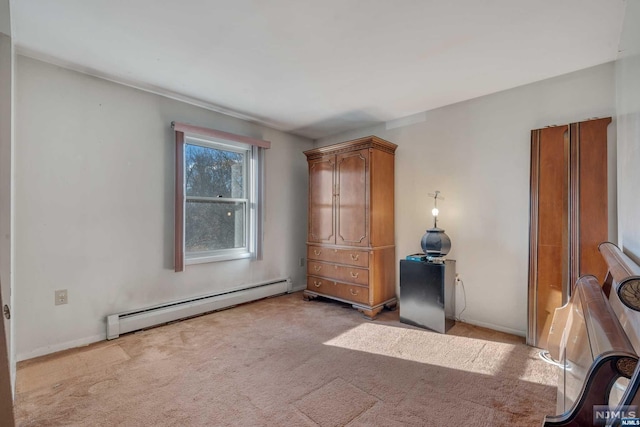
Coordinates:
(287,362)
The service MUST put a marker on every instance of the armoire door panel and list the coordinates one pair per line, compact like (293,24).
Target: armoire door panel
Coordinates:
(352,201)
(322,200)
(381,185)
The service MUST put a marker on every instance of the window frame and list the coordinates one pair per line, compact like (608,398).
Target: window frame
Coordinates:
(248,184)
(254,188)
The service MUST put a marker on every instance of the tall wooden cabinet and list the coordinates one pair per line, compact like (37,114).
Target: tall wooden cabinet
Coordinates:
(569,216)
(351,240)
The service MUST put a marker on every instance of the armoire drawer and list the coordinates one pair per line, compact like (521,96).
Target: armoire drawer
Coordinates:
(344,273)
(343,291)
(321,285)
(352,293)
(341,256)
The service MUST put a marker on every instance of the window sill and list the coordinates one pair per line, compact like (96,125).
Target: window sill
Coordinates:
(203,259)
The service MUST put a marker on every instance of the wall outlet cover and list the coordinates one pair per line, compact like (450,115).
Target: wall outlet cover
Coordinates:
(61,297)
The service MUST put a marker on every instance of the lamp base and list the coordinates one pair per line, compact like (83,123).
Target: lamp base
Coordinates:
(435,242)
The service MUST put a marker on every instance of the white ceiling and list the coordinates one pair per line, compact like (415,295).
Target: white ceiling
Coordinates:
(316,68)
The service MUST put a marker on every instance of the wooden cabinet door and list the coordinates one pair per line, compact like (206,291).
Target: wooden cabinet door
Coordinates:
(569,207)
(591,203)
(322,200)
(352,200)
(550,152)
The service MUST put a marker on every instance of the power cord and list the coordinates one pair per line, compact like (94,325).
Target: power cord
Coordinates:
(464,293)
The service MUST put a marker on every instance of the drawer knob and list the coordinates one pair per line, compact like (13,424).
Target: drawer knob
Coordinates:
(352,292)
(317,284)
(317,267)
(317,252)
(355,257)
(354,275)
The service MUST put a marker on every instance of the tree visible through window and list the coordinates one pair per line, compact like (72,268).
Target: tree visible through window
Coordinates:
(216,199)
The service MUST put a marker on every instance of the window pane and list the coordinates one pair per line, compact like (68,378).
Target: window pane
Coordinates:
(212,172)
(213,226)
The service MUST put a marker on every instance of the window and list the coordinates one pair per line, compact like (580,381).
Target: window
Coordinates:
(218,196)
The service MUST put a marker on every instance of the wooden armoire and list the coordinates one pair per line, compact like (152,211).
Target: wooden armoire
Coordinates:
(351,238)
(569,216)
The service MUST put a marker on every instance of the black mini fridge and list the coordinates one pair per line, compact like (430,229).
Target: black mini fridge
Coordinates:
(427,294)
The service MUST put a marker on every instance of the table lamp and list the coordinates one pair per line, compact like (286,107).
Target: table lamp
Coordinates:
(435,242)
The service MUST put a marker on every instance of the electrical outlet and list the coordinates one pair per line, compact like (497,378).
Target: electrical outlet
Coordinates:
(301,262)
(61,297)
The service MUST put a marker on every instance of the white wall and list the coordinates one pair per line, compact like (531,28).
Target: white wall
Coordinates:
(94,205)
(5,174)
(5,18)
(477,154)
(628,110)
(6,143)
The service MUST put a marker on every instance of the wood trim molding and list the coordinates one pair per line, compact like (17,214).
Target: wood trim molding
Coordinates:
(179,204)
(574,205)
(356,144)
(533,239)
(213,133)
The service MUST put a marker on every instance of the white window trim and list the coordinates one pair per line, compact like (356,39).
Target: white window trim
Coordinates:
(258,148)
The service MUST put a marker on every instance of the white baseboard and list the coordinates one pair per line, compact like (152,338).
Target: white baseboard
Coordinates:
(145,317)
(278,287)
(42,351)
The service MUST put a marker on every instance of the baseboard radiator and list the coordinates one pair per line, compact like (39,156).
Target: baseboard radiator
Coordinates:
(134,320)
